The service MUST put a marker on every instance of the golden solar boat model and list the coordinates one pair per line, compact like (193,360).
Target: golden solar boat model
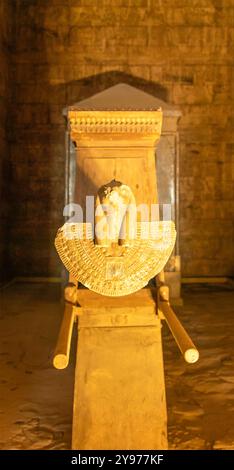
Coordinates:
(117,294)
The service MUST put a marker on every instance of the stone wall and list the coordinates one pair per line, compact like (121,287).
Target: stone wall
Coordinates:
(65,50)
(5,38)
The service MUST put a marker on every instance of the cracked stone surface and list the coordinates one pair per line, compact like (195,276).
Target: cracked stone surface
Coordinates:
(200,397)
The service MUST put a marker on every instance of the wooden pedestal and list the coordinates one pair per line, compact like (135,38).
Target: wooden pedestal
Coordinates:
(119,398)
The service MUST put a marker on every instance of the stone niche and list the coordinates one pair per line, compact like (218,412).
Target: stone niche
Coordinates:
(126,97)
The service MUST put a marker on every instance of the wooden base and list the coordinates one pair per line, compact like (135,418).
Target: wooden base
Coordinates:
(119,398)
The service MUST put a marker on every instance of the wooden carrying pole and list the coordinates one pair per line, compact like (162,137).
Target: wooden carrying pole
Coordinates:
(184,342)
(62,350)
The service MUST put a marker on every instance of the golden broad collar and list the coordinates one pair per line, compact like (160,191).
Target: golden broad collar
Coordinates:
(115,276)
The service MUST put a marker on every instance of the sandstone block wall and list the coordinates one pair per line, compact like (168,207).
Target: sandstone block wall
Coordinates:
(5,39)
(65,50)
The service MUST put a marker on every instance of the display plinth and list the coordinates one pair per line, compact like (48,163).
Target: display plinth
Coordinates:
(119,399)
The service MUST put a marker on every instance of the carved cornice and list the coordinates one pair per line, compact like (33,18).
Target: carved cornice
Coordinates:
(115,122)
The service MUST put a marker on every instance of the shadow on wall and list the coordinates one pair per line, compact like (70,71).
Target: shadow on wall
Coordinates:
(86,87)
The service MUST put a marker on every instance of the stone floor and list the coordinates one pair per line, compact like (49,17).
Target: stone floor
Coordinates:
(36,399)
(200,396)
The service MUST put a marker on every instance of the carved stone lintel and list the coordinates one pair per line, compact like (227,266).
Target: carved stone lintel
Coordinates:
(115,122)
